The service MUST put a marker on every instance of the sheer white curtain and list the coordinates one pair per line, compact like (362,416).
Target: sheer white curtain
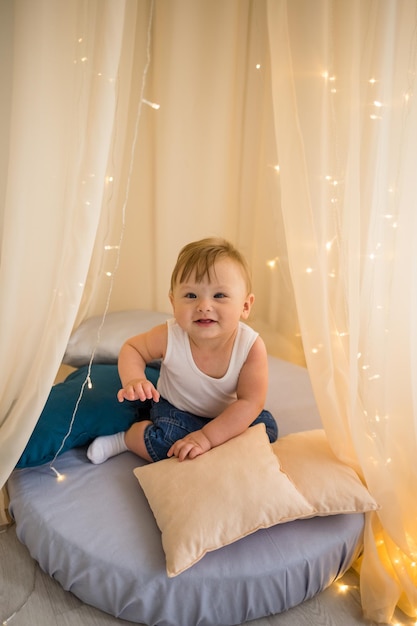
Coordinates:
(89,190)
(63,61)
(344,84)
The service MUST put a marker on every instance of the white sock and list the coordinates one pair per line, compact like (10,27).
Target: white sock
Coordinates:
(103,448)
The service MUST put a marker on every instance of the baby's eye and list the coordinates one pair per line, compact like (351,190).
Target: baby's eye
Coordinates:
(190,295)
(220,295)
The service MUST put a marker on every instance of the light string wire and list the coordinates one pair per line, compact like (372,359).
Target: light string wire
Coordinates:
(87,381)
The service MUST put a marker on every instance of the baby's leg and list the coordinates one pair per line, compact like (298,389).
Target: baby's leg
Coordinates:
(134,439)
(168,425)
(105,447)
(270,424)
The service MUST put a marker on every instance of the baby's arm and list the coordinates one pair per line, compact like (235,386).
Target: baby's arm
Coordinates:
(251,394)
(134,355)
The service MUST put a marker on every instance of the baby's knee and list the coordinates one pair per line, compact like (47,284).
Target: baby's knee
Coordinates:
(135,439)
(271,426)
(158,440)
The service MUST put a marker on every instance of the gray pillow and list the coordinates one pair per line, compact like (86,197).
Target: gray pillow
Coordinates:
(118,326)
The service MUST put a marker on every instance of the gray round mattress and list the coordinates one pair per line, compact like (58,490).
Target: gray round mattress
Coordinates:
(94,532)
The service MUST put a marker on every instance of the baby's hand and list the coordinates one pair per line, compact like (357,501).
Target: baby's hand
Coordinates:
(138,389)
(192,445)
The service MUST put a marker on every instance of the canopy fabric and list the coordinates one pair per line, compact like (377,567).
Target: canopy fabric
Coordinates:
(290,128)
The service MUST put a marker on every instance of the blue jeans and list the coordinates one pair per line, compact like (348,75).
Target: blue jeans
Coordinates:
(170,424)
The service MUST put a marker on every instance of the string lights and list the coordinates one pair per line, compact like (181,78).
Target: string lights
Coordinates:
(376,262)
(109,179)
(153,105)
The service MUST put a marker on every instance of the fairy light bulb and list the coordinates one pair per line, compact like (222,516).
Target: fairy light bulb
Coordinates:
(60,477)
(153,105)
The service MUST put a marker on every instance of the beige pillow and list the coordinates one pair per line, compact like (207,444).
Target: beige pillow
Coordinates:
(221,496)
(329,485)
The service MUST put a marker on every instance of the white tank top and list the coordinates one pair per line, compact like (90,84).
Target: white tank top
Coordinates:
(185,386)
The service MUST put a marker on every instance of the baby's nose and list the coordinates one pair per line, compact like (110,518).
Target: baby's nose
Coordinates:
(204,304)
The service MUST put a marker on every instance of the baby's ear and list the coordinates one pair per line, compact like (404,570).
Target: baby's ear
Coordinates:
(247,305)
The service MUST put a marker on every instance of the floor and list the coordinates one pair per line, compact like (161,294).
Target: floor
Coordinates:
(29,597)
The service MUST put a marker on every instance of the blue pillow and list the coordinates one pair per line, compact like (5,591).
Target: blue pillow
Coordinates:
(99,413)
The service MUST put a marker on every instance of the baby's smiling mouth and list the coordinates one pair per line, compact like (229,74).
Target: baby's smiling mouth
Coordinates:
(205,322)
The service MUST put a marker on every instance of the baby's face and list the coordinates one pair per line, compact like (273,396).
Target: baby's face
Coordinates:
(214,305)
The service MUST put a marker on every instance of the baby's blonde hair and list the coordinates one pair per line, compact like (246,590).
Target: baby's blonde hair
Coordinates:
(200,257)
